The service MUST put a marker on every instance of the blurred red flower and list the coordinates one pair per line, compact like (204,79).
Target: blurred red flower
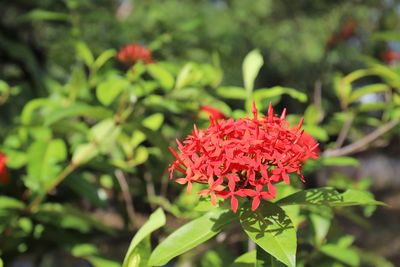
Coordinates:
(243,158)
(4,179)
(132,53)
(390,56)
(347,30)
(213,112)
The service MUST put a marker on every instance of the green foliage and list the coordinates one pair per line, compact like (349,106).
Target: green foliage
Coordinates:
(271,229)
(137,254)
(190,236)
(87,138)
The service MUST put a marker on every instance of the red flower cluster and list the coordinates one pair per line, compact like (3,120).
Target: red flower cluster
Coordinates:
(132,53)
(4,179)
(243,158)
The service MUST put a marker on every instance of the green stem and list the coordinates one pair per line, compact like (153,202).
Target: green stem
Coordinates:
(39,199)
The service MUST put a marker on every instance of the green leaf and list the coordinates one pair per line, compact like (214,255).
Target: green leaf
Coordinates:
(312,115)
(386,36)
(98,261)
(191,235)
(154,121)
(45,15)
(108,90)
(10,203)
(75,110)
(320,218)
(43,167)
(103,58)
(330,197)
(342,89)
(317,132)
(85,188)
(184,76)
(252,64)
(264,259)
(102,130)
(29,108)
(271,229)
(268,93)
(82,250)
(156,220)
(83,52)
(339,161)
(84,152)
(246,260)
(343,254)
(368,89)
(68,217)
(165,78)
(232,92)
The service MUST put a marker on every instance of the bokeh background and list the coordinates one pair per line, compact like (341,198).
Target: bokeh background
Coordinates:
(53,94)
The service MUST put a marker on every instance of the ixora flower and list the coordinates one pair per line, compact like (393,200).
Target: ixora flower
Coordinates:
(243,158)
(132,53)
(3,169)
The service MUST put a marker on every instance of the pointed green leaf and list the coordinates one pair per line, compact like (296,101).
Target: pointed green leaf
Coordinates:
(84,53)
(104,57)
(191,235)
(343,254)
(368,89)
(231,92)
(110,89)
(252,64)
(160,74)
(330,197)
(156,220)
(271,229)
(43,163)
(246,260)
(264,259)
(154,121)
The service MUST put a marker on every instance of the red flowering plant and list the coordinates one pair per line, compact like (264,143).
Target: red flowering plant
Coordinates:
(243,161)
(243,158)
(132,53)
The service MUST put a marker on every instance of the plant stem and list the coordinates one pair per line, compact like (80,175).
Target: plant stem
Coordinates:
(363,142)
(37,200)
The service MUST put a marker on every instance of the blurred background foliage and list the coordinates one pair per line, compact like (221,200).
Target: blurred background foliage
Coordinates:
(86,136)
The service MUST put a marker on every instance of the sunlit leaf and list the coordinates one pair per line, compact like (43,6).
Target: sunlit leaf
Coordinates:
(252,64)
(271,229)
(165,78)
(108,90)
(156,220)
(190,235)
(330,197)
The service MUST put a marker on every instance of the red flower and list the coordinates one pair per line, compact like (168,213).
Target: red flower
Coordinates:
(390,56)
(213,112)
(243,158)
(4,179)
(347,30)
(133,53)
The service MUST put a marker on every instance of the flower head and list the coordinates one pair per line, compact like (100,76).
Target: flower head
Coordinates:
(133,53)
(243,158)
(4,179)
